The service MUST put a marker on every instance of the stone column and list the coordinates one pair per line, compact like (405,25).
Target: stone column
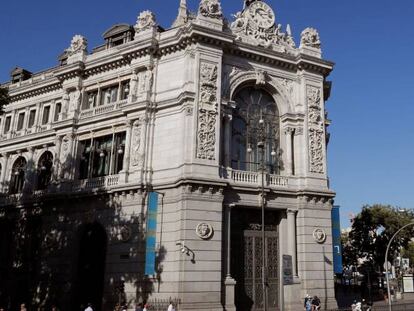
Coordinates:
(30,171)
(4,172)
(291,219)
(229,282)
(56,162)
(227,139)
(289,161)
(127,152)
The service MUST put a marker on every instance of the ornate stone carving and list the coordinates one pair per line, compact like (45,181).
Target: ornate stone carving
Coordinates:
(261,77)
(134,84)
(287,84)
(74,100)
(319,235)
(78,44)
(310,38)
(256,25)
(137,144)
(206,135)
(125,233)
(204,231)
(145,80)
(210,8)
(316,132)
(146,21)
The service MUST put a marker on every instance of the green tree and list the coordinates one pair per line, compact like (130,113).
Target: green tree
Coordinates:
(4,98)
(371,231)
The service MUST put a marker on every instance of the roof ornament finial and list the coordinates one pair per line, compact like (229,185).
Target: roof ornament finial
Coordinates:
(182,16)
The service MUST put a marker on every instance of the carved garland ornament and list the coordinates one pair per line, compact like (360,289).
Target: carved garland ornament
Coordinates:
(316,133)
(210,8)
(207,118)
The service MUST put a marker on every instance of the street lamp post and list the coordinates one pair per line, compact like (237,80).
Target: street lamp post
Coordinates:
(386,263)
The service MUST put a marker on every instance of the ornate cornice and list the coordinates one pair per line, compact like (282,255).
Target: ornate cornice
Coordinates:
(41,89)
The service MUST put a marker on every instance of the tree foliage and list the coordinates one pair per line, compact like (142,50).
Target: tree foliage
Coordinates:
(4,97)
(371,232)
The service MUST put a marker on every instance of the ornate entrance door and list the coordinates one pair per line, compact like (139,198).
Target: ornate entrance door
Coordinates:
(247,262)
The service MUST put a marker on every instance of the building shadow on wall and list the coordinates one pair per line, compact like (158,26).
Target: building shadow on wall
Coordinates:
(69,248)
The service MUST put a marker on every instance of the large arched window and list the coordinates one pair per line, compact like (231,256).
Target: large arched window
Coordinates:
(255,120)
(44,170)
(18,175)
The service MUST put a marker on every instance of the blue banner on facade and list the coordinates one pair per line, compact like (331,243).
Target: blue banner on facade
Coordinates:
(151,240)
(336,240)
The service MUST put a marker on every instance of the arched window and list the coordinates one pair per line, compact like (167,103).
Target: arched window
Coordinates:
(255,120)
(44,170)
(18,175)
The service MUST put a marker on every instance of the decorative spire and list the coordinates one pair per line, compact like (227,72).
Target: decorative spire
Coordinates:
(182,16)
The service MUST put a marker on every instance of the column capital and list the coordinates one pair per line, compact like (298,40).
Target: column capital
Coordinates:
(291,211)
(289,130)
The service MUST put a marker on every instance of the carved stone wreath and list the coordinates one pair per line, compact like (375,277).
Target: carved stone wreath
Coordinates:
(319,235)
(204,231)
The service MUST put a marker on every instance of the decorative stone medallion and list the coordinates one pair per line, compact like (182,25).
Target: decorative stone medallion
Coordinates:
(204,231)
(319,235)
(125,233)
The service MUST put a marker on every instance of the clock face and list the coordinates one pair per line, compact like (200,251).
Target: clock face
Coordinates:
(261,14)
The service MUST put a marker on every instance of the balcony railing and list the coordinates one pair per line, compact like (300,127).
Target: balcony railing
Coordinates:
(102,109)
(96,183)
(254,178)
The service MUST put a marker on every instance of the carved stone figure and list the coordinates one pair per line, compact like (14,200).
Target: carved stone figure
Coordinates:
(78,44)
(310,38)
(74,100)
(146,20)
(137,144)
(134,84)
(210,8)
(319,235)
(206,135)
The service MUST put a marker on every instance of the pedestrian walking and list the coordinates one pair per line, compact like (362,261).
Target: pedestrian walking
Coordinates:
(138,307)
(316,303)
(89,307)
(23,307)
(307,305)
(171,307)
(146,306)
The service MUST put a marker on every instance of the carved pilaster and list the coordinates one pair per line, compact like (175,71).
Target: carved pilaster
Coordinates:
(207,114)
(316,130)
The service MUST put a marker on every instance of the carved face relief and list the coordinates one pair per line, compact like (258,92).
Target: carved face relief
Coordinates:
(204,231)
(319,235)
(261,15)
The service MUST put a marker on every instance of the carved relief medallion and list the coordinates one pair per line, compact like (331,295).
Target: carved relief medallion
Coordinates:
(204,231)
(319,235)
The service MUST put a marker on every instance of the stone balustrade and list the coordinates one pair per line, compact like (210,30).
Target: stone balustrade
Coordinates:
(96,183)
(96,111)
(254,178)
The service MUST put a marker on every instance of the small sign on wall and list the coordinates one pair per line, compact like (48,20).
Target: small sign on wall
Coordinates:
(287,270)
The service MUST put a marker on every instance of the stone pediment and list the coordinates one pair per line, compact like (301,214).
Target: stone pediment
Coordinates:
(116,30)
(256,25)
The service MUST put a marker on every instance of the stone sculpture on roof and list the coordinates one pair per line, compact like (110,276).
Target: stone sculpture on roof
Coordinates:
(210,8)
(310,38)
(256,24)
(146,20)
(78,44)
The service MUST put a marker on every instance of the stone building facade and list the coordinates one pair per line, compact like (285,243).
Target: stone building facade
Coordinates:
(217,118)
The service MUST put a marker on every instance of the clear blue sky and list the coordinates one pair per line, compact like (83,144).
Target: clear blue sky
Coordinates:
(371,154)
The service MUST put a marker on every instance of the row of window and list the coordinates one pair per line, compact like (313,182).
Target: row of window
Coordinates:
(100,157)
(21,118)
(107,95)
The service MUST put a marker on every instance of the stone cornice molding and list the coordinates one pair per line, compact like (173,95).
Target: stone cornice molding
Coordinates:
(42,89)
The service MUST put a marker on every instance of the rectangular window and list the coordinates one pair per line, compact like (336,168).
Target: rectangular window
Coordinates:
(46,112)
(20,121)
(58,110)
(109,95)
(32,116)
(124,90)
(90,101)
(7,124)
(105,157)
